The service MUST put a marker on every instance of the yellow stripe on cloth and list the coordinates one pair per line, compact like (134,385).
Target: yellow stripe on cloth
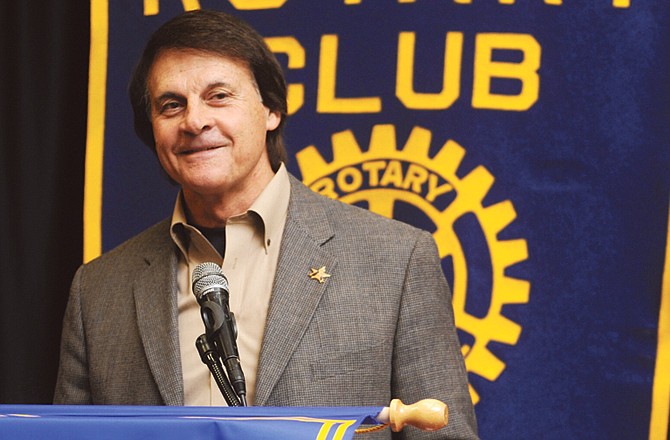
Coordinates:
(660,401)
(95,131)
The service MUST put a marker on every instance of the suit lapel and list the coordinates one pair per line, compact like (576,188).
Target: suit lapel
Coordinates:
(155,293)
(307,228)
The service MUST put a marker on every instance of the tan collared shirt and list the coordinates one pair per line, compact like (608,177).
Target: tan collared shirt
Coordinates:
(253,239)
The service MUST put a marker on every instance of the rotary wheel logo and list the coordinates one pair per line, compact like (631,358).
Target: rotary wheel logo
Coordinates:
(385,179)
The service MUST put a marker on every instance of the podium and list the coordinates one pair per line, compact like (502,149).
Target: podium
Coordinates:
(97,422)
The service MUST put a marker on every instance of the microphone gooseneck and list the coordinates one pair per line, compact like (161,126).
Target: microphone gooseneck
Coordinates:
(211,358)
(210,287)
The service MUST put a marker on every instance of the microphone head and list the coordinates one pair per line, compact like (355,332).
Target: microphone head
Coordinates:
(206,276)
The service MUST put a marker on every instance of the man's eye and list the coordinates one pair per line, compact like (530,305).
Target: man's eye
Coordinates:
(169,106)
(219,96)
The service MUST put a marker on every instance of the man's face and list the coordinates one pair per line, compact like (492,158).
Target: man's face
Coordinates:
(209,124)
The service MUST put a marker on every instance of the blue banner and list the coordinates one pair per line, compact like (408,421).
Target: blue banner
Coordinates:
(532,138)
(28,422)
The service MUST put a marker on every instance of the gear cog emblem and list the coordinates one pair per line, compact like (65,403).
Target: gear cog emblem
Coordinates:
(385,178)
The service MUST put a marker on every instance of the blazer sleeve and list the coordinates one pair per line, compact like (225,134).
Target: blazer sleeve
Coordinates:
(427,361)
(72,385)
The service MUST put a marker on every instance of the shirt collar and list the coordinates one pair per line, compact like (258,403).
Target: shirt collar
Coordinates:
(270,207)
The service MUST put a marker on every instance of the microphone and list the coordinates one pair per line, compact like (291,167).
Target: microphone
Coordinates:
(210,287)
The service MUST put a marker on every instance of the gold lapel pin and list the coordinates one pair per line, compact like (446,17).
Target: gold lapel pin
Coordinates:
(319,274)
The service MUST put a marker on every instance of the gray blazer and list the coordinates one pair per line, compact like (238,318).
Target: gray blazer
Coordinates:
(381,327)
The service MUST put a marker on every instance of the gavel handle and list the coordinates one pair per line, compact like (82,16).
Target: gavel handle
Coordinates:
(427,415)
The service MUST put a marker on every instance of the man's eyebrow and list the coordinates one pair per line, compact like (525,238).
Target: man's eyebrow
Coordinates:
(174,95)
(226,86)
(218,84)
(168,95)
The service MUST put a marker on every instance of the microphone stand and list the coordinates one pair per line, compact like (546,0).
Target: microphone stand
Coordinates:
(210,357)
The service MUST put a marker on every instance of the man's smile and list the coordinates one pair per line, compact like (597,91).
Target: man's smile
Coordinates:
(198,149)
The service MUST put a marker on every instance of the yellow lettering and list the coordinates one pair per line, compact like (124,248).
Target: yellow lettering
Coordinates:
(296,60)
(453,49)
(415,178)
(349,179)
(151,7)
(326,101)
(435,190)
(615,3)
(525,71)
(373,168)
(381,173)
(392,175)
(246,5)
(325,186)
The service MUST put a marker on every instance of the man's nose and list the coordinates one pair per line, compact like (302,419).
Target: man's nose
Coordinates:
(197,118)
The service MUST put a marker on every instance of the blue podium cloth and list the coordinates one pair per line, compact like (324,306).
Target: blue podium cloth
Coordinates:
(55,422)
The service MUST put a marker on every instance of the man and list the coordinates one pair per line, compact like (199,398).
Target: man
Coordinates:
(334,305)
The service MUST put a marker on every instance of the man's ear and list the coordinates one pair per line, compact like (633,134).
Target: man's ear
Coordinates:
(273,120)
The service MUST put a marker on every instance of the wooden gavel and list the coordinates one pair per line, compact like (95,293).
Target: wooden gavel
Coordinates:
(427,415)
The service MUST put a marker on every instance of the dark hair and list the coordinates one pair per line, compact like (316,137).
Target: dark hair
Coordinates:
(220,34)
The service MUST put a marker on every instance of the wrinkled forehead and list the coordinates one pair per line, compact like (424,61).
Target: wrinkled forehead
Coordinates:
(173,63)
